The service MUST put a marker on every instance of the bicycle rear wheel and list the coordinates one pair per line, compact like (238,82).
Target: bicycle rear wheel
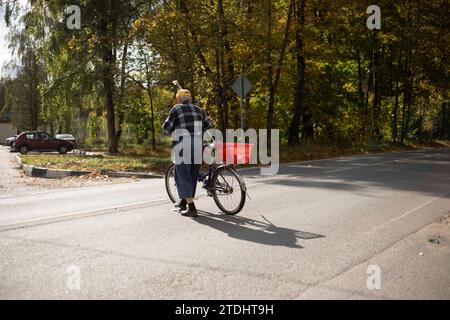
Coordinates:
(228,190)
(171,186)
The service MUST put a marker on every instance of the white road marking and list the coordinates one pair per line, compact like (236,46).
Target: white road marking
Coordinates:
(362,166)
(78,215)
(378,163)
(25,194)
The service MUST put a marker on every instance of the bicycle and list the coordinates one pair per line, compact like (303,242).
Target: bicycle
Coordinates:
(221,181)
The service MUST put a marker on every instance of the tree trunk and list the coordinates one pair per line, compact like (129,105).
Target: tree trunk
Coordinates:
(121,114)
(152,114)
(113,140)
(307,132)
(406,105)
(376,106)
(108,83)
(445,121)
(396,103)
(273,85)
(361,101)
(34,91)
(223,76)
(270,66)
(294,129)
(395,114)
(220,112)
(229,78)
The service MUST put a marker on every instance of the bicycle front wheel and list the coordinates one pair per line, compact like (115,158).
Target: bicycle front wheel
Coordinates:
(228,190)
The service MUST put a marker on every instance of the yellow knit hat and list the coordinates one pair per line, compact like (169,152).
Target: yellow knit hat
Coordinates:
(184,93)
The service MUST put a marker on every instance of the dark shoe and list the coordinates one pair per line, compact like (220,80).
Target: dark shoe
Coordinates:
(192,213)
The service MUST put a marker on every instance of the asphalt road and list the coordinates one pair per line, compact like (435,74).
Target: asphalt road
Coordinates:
(309,232)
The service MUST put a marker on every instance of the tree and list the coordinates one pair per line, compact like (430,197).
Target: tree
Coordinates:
(300,112)
(319,73)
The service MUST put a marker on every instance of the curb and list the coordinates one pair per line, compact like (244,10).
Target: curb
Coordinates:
(38,172)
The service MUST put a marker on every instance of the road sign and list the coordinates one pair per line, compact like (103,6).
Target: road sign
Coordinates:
(242,86)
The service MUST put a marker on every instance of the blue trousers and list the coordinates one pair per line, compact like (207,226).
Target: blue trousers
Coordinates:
(186,174)
(186,179)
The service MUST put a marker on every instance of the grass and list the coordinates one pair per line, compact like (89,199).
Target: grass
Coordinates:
(137,160)
(143,159)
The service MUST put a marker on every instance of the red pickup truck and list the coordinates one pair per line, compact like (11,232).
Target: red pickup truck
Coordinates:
(41,141)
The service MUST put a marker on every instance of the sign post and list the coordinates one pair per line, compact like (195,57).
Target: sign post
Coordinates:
(242,87)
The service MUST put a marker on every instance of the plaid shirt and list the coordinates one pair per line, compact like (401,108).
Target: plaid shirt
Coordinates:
(189,117)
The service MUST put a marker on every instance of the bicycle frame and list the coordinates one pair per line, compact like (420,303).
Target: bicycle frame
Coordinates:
(207,176)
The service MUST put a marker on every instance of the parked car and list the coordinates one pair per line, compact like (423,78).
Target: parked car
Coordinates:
(41,141)
(10,141)
(67,137)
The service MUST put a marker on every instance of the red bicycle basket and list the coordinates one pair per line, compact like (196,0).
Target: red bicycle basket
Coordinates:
(234,153)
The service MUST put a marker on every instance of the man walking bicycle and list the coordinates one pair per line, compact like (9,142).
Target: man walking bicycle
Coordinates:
(188,122)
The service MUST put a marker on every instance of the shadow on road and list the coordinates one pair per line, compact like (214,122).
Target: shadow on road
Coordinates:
(255,231)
